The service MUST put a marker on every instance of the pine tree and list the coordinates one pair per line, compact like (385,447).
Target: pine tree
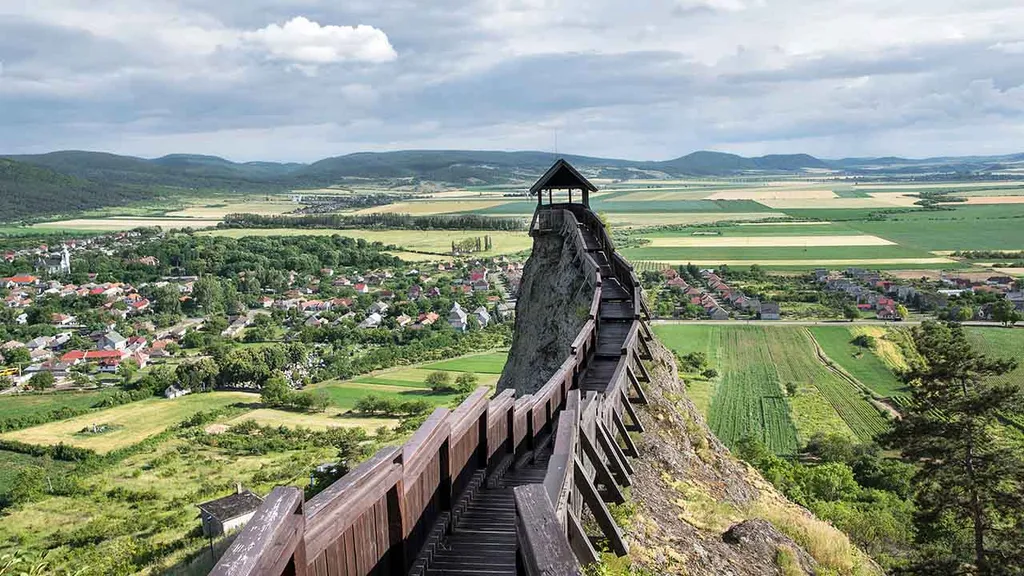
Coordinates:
(969,487)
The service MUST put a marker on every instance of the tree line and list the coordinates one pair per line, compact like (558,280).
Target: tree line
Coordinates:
(379,221)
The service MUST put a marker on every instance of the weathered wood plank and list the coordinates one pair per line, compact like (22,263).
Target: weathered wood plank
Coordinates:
(332,522)
(425,443)
(600,512)
(630,449)
(616,460)
(267,543)
(543,546)
(641,396)
(469,411)
(637,425)
(579,542)
(557,480)
(602,473)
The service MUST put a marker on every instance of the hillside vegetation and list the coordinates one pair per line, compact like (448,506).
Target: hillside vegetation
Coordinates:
(27,190)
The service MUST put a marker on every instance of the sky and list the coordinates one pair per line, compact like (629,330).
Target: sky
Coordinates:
(300,80)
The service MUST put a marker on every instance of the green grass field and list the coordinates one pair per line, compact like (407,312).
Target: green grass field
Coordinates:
(816,253)
(1001,343)
(860,363)
(435,241)
(755,364)
(132,422)
(491,363)
(19,406)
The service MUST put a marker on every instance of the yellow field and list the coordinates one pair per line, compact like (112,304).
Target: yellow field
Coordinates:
(430,207)
(889,352)
(768,241)
(439,241)
(258,207)
(833,203)
(1010,271)
(134,422)
(904,200)
(660,195)
(808,262)
(816,223)
(417,257)
(995,199)
(126,223)
(322,421)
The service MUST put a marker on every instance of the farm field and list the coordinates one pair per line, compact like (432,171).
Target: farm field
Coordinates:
(332,418)
(131,423)
(1001,343)
(114,224)
(790,253)
(491,363)
(434,241)
(863,364)
(755,364)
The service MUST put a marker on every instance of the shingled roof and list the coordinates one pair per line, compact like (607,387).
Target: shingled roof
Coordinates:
(562,176)
(232,506)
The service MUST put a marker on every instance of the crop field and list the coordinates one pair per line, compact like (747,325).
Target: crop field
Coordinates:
(756,363)
(130,423)
(113,224)
(1001,343)
(218,210)
(491,363)
(763,241)
(812,253)
(863,364)
(332,418)
(437,206)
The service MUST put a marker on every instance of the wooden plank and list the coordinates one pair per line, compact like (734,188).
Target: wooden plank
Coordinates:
(637,425)
(580,543)
(425,443)
(366,472)
(631,449)
(268,541)
(557,480)
(614,457)
(643,376)
(641,396)
(469,411)
(543,546)
(602,473)
(618,377)
(583,336)
(600,512)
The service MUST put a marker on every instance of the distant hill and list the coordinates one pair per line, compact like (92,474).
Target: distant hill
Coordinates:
(27,190)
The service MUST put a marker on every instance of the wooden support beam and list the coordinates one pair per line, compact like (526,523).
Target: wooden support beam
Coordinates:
(641,396)
(602,474)
(644,376)
(543,547)
(616,459)
(637,425)
(645,329)
(624,433)
(645,350)
(580,542)
(601,513)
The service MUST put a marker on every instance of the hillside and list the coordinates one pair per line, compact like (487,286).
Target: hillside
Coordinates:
(27,190)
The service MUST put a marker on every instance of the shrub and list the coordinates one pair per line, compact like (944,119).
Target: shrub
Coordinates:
(439,381)
(864,341)
(465,382)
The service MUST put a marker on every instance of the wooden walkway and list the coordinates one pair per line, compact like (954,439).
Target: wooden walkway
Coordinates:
(497,486)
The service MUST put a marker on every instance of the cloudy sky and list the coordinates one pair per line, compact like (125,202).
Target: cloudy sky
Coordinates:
(299,80)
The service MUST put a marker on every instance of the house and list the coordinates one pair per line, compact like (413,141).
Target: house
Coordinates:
(139,306)
(379,308)
(229,513)
(482,316)
(457,318)
(506,311)
(371,321)
(428,318)
(172,392)
(73,357)
(888,313)
(112,341)
(769,311)
(20,280)
(362,288)
(415,291)
(717,313)
(677,282)
(481,285)
(999,281)
(403,320)
(62,319)
(39,342)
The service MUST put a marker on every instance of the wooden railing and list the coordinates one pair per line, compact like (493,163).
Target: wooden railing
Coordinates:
(387,514)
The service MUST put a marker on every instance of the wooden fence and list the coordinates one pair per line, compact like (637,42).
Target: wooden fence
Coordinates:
(380,516)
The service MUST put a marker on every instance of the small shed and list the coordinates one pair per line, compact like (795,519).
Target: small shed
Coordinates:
(229,513)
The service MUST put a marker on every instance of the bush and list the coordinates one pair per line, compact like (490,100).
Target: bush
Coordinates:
(709,373)
(41,380)
(374,405)
(864,341)
(465,382)
(439,381)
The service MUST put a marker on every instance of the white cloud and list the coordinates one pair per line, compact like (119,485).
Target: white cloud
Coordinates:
(716,5)
(1009,47)
(303,41)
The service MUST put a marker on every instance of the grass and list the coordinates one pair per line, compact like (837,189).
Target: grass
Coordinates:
(862,364)
(137,421)
(1001,343)
(816,253)
(687,338)
(19,406)
(492,363)
(332,418)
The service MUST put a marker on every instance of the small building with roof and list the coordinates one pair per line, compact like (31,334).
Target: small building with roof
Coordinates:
(229,513)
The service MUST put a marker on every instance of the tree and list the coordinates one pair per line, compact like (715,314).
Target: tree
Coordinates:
(969,488)
(1003,311)
(850,312)
(41,380)
(902,311)
(791,388)
(127,370)
(17,356)
(709,373)
(6,382)
(275,392)
(465,382)
(438,381)
(198,375)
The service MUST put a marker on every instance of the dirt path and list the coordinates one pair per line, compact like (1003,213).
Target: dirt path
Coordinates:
(832,367)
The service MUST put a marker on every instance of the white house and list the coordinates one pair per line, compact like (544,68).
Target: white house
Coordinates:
(371,321)
(457,318)
(482,316)
(229,513)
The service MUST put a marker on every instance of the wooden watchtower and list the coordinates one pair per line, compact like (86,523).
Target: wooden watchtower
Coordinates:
(562,176)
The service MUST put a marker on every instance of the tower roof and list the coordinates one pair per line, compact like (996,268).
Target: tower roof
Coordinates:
(562,176)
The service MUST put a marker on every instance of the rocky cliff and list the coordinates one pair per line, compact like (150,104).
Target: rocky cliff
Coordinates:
(553,304)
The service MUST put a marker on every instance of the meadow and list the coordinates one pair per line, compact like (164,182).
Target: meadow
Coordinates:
(31,405)
(431,241)
(861,363)
(756,365)
(1001,343)
(129,423)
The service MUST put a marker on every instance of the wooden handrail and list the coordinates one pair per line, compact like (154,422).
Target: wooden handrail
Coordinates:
(268,542)
(558,479)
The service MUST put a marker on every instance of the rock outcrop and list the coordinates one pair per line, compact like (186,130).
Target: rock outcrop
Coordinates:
(553,304)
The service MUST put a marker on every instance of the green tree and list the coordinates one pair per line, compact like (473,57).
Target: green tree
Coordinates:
(968,486)
(17,356)
(41,381)
(275,392)
(198,375)
(709,373)
(902,311)
(438,381)
(465,382)
(1003,311)
(850,312)
(127,370)
(6,382)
